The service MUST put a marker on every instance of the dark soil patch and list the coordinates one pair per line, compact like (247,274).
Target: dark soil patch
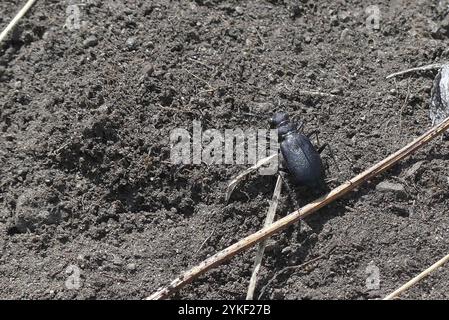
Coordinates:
(85,116)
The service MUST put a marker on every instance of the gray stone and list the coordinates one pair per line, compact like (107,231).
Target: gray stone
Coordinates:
(239,10)
(414,169)
(90,41)
(117,260)
(131,43)
(131,266)
(387,186)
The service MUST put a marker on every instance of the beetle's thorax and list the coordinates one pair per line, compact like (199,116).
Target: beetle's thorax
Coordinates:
(285,130)
(286,136)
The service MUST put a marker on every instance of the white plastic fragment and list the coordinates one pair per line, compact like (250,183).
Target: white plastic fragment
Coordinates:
(439,103)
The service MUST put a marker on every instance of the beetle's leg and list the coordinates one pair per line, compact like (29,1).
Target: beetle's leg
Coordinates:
(282,163)
(290,192)
(324,146)
(326,166)
(315,132)
(327,145)
(291,196)
(321,148)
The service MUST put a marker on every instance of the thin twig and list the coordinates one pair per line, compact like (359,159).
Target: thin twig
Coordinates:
(416,279)
(16,19)
(200,79)
(234,182)
(205,241)
(261,249)
(423,68)
(251,240)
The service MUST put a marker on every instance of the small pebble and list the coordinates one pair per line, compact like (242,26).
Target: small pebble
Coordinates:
(148,69)
(337,91)
(343,16)
(131,266)
(414,169)
(345,34)
(91,41)
(131,43)
(387,186)
(117,261)
(103,108)
(149,45)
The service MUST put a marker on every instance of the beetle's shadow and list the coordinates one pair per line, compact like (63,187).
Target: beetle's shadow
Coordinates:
(302,237)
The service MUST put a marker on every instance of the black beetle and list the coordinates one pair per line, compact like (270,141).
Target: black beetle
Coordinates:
(302,160)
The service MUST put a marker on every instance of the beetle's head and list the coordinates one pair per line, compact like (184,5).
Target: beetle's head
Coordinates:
(279,119)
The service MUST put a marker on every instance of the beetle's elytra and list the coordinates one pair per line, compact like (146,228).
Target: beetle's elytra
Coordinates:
(302,160)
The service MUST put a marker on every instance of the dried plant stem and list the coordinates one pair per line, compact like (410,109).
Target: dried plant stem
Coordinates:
(16,19)
(418,278)
(423,68)
(261,249)
(234,182)
(293,217)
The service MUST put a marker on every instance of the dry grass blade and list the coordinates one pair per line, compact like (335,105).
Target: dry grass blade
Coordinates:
(423,68)
(293,217)
(418,278)
(261,249)
(234,182)
(16,19)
